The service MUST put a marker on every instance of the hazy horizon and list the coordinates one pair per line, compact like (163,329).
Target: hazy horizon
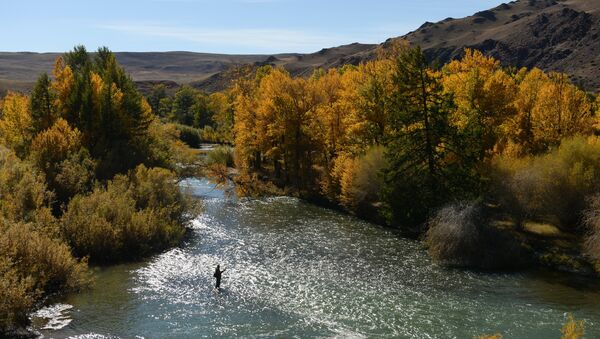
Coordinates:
(223,27)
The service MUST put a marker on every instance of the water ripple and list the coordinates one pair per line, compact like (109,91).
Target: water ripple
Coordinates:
(296,270)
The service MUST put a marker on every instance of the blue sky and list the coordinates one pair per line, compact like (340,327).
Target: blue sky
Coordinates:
(217,26)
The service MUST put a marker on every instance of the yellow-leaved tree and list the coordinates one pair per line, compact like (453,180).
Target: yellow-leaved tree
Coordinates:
(16,124)
(561,110)
(483,94)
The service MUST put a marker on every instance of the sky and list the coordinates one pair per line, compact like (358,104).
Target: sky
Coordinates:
(216,26)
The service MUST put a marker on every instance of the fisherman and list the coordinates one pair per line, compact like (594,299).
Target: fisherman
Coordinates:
(218,276)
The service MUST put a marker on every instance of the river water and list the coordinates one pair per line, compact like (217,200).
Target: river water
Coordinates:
(297,270)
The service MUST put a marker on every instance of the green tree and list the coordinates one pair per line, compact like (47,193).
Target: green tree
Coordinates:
(157,93)
(419,145)
(184,104)
(42,99)
(97,97)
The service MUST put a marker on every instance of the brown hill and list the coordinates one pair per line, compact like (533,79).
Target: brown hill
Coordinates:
(550,34)
(18,71)
(554,35)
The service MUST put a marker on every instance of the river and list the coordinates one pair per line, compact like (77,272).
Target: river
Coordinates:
(298,270)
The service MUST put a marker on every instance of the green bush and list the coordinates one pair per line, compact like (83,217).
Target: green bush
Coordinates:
(550,187)
(189,135)
(461,235)
(132,216)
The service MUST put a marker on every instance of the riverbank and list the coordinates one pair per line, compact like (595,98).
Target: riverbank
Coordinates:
(543,245)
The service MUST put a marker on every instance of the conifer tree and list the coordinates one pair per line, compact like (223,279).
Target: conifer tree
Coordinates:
(420,142)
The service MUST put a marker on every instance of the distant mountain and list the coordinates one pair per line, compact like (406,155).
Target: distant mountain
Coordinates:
(554,35)
(18,71)
(549,34)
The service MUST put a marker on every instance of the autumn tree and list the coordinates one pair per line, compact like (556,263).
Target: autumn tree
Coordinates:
(561,110)
(283,112)
(16,123)
(58,153)
(97,97)
(483,94)
(248,153)
(221,106)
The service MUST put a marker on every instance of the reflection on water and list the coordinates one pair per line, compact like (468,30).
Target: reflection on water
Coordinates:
(298,270)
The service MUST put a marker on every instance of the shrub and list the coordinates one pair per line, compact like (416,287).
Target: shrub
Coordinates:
(58,153)
(16,297)
(591,221)
(33,265)
(168,151)
(360,179)
(221,155)
(552,187)
(573,329)
(189,135)
(23,192)
(132,216)
(209,134)
(461,235)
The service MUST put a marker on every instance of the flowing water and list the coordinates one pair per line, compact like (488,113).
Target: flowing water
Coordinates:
(297,270)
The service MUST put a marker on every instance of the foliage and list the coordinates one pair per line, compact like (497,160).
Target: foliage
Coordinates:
(157,93)
(550,187)
(42,99)
(360,179)
(58,153)
(189,135)
(96,97)
(16,124)
(482,93)
(424,152)
(16,297)
(32,265)
(131,217)
(573,329)
(591,221)
(441,130)
(66,146)
(187,104)
(23,192)
(222,155)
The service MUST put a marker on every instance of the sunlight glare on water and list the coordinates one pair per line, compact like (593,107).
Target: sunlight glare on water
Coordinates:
(293,269)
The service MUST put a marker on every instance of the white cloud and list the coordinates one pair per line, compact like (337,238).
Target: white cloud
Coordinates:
(234,1)
(265,39)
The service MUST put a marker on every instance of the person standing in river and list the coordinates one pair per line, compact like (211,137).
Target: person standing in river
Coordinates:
(217,275)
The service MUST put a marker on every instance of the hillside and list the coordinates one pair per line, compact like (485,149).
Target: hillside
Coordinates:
(18,71)
(553,35)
